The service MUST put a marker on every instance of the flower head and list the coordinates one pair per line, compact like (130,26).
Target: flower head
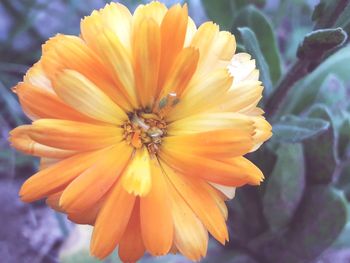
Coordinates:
(141,124)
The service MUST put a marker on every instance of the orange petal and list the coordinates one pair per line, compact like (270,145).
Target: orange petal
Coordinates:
(92,184)
(36,77)
(197,195)
(53,201)
(173,32)
(131,247)
(56,177)
(158,238)
(89,215)
(146,50)
(180,74)
(190,236)
(80,93)
(136,178)
(71,52)
(20,140)
(112,221)
(40,103)
(212,144)
(236,171)
(71,135)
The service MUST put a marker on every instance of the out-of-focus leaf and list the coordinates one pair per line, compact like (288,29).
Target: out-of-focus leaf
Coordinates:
(344,139)
(294,129)
(305,92)
(319,42)
(344,180)
(319,221)
(344,19)
(320,151)
(252,46)
(326,12)
(285,186)
(224,11)
(260,24)
(333,92)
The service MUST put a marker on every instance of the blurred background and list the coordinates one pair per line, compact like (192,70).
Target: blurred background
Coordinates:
(299,214)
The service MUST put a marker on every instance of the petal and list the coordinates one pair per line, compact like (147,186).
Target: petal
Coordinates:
(47,162)
(111,221)
(115,17)
(154,10)
(190,32)
(179,75)
(53,201)
(173,32)
(56,177)
(190,236)
(20,140)
(92,184)
(212,144)
(42,103)
(89,215)
(71,135)
(71,52)
(236,171)
(137,178)
(228,191)
(131,246)
(158,238)
(81,94)
(243,68)
(146,50)
(211,88)
(196,194)
(36,77)
(119,60)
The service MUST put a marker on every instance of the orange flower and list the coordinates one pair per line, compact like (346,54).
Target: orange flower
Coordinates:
(141,125)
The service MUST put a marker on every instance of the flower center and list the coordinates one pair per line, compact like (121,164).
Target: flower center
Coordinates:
(144,129)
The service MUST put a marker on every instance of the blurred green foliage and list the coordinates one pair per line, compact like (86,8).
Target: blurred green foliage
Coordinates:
(300,211)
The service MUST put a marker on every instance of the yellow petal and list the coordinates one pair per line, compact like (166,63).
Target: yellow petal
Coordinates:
(131,247)
(81,94)
(228,191)
(211,88)
(115,17)
(36,77)
(137,178)
(146,50)
(43,103)
(92,184)
(190,32)
(154,10)
(197,194)
(155,207)
(111,221)
(119,60)
(190,236)
(70,52)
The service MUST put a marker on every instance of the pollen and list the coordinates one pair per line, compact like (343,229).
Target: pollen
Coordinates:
(144,129)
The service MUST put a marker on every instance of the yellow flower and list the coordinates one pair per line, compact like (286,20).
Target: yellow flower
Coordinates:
(141,124)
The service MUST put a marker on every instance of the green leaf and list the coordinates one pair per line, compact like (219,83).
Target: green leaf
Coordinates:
(319,42)
(252,46)
(220,12)
(285,186)
(304,93)
(326,12)
(296,129)
(343,20)
(344,139)
(344,180)
(319,221)
(260,24)
(223,12)
(320,151)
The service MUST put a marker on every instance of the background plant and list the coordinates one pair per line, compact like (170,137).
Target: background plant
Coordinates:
(300,213)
